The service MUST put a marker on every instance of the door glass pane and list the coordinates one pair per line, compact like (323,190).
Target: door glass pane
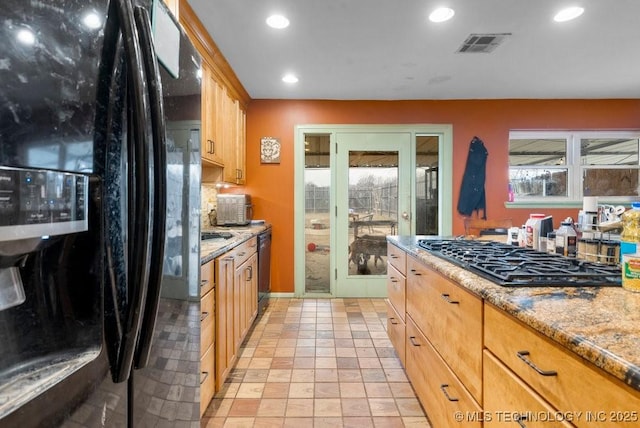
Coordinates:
(427,184)
(373,209)
(317,178)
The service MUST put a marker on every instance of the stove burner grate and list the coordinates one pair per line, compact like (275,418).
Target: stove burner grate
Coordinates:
(515,266)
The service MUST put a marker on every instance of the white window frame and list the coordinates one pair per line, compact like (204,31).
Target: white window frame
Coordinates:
(572,163)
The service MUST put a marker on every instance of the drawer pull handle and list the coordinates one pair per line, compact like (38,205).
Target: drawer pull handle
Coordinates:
(391,320)
(393,256)
(447,298)
(250,277)
(203,377)
(203,316)
(412,339)
(443,388)
(204,282)
(523,356)
(393,279)
(519,419)
(415,272)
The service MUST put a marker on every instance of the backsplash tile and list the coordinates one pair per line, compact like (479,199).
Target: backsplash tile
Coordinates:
(208,195)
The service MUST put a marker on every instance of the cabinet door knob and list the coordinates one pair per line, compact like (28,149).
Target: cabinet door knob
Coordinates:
(447,298)
(412,339)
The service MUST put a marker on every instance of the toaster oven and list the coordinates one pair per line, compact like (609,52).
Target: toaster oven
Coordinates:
(234,210)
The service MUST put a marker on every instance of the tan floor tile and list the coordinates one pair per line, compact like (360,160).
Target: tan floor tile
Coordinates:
(349,375)
(327,422)
(327,390)
(388,422)
(326,375)
(366,352)
(325,343)
(369,363)
(244,407)
(357,422)
(212,422)
(301,390)
(259,375)
(304,363)
(268,422)
(250,390)
(306,343)
(409,407)
(396,375)
(262,352)
(383,407)
(378,389)
(298,422)
(287,343)
(326,363)
(260,363)
(282,363)
(243,363)
(275,390)
(228,390)
(279,375)
(363,343)
(272,407)
(391,363)
(402,389)
(324,407)
(299,407)
(325,352)
(352,390)
(241,422)
(416,422)
(346,352)
(219,407)
(355,407)
(303,375)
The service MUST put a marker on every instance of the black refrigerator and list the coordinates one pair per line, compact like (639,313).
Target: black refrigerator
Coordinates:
(99,215)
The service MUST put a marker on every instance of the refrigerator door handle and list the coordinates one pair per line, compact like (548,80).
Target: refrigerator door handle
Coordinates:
(138,192)
(154,83)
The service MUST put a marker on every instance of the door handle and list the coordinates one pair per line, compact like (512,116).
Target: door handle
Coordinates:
(405,215)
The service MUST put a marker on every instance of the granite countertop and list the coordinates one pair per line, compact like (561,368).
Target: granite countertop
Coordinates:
(212,248)
(600,324)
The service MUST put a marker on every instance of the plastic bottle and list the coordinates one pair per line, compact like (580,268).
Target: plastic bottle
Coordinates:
(510,194)
(630,237)
(533,230)
(566,239)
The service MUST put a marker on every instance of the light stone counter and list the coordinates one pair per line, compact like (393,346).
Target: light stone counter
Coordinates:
(212,248)
(600,324)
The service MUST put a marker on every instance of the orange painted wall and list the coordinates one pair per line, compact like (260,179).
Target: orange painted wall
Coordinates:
(272,186)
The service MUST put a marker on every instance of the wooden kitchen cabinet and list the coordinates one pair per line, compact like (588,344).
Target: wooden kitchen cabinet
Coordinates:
(396,299)
(560,377)
(236,289)
(451,319)
(211,100)
(207,329)
(437,386)
(509,400)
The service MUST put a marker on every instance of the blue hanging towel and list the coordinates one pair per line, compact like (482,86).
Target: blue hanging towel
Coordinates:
(472,196)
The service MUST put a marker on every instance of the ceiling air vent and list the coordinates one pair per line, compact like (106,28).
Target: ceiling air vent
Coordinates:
(482,43)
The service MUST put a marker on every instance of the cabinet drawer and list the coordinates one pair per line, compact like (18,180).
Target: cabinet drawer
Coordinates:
(451,318)
(396,290)
(206,278)
(508,399)
(439,390)
(207,379)
(207,321)
(567,382)
(396,330)
(397,258)
(243,251)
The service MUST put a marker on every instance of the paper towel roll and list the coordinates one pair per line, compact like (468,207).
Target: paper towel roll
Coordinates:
(590,204)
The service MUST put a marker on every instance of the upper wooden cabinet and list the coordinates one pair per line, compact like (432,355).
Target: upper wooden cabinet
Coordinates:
(224,101)
(212,99)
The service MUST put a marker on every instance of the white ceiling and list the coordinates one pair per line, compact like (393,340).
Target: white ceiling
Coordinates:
(389,50)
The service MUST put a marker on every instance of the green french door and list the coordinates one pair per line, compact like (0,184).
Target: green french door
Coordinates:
(372,200)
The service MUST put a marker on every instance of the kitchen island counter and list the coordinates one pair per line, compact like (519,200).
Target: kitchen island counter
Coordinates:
(599,324)
(212,248)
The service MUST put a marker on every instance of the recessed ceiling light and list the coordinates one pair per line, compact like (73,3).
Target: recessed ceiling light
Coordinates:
(277,21)
(26,37)
(92,20)
(441,14)
(568,14)
(290,78)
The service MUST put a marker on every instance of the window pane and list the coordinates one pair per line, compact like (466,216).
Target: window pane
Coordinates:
(609,151)
(537,151)
(610,182)
(427,184)
(538,182)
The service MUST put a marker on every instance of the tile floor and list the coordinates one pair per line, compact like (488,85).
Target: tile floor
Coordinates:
(317,363)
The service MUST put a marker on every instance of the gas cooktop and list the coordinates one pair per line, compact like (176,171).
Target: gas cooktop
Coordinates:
(515,266)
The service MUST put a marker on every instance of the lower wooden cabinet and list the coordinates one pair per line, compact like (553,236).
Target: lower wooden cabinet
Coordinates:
(509,402)
(236,304)
(562,378)
(207,333)
(441,393)
(396,329)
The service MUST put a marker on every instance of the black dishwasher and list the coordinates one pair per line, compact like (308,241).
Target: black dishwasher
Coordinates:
(264,269)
